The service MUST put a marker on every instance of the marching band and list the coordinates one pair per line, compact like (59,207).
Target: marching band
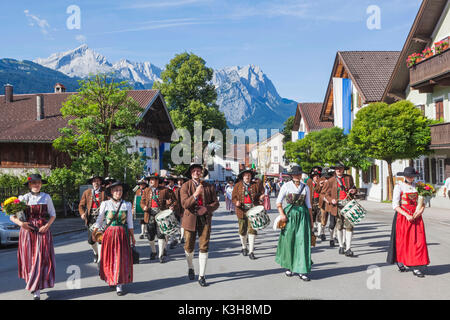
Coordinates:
(184,210)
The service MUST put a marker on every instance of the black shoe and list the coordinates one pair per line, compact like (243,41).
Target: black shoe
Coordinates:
(120,293)
(152,255)
(303,277)
(95,258)
(244,252)
(141,236)
(322,237)
(418,273)
(349,253)
(332,243)
(252,256)
(36,298)
(341,250)
(202,282)
(191,274)
(162,259)
(401,268)
(288,273)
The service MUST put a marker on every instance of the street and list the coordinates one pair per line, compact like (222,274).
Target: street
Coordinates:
(233,276)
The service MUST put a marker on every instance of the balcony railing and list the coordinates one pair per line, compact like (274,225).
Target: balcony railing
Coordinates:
(431,72)
(440,136)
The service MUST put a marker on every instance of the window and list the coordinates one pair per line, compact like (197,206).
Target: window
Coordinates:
(275,159)
(440,171)
(420,167)
(275,148)
(227,166)
(421,107)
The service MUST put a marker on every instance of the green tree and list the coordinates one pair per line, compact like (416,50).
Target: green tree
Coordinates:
(322,148)
(287,129)
(391,132)
(101,119)
(190,96)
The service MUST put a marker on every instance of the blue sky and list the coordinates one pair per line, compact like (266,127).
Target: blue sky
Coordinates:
(293,41)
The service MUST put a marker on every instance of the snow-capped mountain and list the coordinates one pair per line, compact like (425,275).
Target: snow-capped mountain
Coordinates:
(245,94)
(83,61)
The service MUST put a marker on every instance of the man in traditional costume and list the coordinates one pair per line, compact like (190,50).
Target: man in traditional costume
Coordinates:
(199,201)
(89,207)
(340,189)
(247,194)
(154,200)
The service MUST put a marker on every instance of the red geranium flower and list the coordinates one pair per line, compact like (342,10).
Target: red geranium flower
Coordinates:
(29,178)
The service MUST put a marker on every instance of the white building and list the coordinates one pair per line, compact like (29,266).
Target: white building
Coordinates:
(268,155)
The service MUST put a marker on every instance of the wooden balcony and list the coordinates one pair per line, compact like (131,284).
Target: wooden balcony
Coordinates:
(440,136)
(431,72)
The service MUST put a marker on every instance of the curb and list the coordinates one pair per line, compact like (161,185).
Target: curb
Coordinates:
(69,231)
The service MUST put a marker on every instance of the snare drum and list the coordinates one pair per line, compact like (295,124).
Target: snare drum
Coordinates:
(354,212)
(258,218)
(167,222)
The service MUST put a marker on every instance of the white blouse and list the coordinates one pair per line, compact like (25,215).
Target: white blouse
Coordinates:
(111,205)
(290,187)
(398,189)
(41,198)
(229,191)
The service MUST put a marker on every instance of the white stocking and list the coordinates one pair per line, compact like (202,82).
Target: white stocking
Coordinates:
(348,239)
(243,241)
(161,246)
(340,236)
(251,242)
(202,259)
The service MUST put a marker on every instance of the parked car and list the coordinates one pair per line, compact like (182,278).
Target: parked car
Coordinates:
(9,232)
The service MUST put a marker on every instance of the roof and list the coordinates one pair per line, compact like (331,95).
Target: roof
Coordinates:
(310,113)
(369,71)
(418,38)
(18,121)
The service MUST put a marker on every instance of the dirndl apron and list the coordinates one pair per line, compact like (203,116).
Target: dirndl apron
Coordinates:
(36,254)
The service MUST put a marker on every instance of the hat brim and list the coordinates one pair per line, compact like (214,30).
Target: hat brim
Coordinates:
(241,174)
(188,171)
(125,188)
(403,174)
(32,180)
(89,181)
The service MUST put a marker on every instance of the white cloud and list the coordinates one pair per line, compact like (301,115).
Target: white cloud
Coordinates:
(164,4)
(35,21)
(81,38)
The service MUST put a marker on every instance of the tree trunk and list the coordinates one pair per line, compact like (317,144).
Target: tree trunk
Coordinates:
(391,180)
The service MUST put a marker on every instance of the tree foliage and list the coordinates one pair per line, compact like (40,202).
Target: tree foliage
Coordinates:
(101,119)
(287,129)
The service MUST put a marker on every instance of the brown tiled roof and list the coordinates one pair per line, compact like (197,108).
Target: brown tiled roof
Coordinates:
(18,118)
(310,112)
(370,70)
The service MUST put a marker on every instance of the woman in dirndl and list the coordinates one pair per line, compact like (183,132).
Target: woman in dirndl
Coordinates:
(116,263)
(267,191)
(408,246)
(294,244)
(36,254)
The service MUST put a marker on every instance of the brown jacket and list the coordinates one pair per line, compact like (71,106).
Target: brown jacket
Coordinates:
(179,209)
(164,195)
(188,203)
(331,191)
(256,190)
(318,188)
(87,200)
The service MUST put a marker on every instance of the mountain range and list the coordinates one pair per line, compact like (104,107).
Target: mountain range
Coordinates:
(245,94)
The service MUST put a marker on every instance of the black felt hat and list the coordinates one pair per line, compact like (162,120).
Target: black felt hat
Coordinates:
(339,165)
(250,170)
(295,170)
(89,181)
(117,183)
(316,171)
(409,172)
(195,165)
(35,177)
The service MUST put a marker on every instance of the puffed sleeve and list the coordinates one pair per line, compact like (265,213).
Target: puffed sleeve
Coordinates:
(50,206)
(25,198)
(308,199)
(282,194)
(101,215)
(130,215)
(396,196)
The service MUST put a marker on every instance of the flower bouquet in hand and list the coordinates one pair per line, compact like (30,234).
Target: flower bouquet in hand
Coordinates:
(14,207)
(424,190)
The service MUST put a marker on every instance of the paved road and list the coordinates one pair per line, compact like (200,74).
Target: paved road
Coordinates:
(232,276)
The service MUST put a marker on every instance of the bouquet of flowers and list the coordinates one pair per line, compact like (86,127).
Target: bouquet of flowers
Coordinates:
(14,207)
(425,189)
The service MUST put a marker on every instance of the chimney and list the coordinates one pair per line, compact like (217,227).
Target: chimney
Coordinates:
(9,95)
(40,107)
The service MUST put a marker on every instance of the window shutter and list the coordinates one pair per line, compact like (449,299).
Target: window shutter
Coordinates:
(433,170)
(439,109)
(426,168)
(365,176)
(377,174)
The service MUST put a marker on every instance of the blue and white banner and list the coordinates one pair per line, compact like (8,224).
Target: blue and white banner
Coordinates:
(342,103)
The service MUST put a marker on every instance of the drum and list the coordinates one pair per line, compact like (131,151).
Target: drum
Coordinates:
(167,222)
(258,218)
(138,208)
(354,212)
